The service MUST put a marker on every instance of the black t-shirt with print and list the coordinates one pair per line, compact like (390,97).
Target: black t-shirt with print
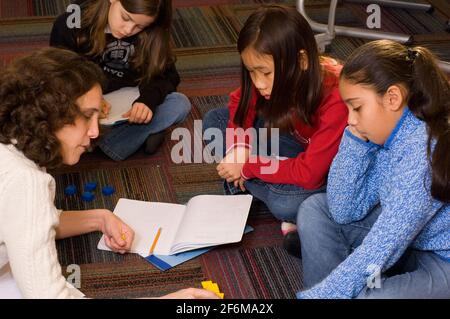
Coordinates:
(115,62)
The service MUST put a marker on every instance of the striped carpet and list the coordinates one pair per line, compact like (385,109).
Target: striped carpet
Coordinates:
(204,34)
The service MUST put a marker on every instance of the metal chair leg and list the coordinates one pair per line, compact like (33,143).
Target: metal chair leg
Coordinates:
(349,31)
(331,30)
(325,39)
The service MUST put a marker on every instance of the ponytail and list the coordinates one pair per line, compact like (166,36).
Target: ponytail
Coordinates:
(383,63)
(440,163)
(429,100)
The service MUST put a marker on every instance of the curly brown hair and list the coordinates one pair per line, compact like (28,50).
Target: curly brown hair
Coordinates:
(38,95)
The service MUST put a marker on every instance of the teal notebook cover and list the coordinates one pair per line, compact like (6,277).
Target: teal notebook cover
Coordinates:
(163,262)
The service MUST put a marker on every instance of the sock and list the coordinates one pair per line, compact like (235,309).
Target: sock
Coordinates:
(287,228)
(153,142)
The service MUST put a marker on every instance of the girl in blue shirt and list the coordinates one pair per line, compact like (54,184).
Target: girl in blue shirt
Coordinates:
(383,228)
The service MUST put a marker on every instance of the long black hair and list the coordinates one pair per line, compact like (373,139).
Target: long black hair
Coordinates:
(383,63)
(283,33)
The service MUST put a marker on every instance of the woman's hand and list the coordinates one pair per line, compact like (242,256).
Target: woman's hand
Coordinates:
(118,235)
(139,113)
(191,293)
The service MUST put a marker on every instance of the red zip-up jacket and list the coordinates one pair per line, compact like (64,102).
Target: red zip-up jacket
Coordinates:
(321,140)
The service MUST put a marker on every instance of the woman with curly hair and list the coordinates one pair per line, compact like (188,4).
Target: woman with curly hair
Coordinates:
(49,108)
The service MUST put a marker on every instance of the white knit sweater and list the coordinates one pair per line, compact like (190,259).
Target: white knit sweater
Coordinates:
(28,218)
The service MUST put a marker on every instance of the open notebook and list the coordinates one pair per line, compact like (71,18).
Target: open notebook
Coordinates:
(121,101)
(164,262)
(206,220)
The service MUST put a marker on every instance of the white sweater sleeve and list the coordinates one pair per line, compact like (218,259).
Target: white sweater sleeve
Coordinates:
(29,218)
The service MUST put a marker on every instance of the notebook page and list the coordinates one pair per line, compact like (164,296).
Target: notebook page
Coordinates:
(145,218)
(212,220)
(121,101)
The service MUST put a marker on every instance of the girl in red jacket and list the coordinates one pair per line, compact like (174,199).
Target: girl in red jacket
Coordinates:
(287,88)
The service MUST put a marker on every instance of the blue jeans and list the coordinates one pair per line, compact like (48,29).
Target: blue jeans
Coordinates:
(126,138)
(325,244)
(282,200)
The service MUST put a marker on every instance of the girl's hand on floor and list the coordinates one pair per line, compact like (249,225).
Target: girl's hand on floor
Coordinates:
(230,171)
(118,235)
(139,114)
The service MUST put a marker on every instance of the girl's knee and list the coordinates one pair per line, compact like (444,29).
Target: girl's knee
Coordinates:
(208,119)
(183,105)
(214,118)
(312,211)
(283,210)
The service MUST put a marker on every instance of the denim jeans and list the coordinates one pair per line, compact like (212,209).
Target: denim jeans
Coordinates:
(126,138)
(282,200)
(325,244)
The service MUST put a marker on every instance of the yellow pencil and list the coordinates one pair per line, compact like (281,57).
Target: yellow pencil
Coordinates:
(123,235)
(155,241)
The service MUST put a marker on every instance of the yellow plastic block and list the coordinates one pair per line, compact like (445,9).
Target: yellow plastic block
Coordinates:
(215,288)
(212,286)
(206,284)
